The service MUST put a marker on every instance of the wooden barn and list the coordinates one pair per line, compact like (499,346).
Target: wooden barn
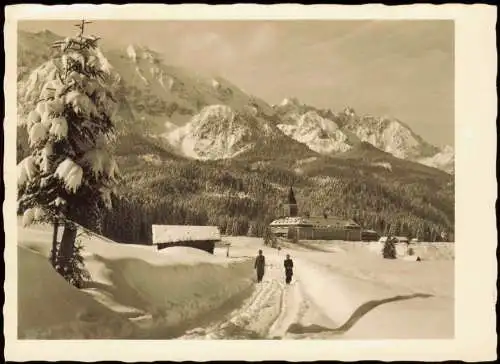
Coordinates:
(198,237)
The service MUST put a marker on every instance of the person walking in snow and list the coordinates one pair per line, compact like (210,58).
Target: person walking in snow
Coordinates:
(288,269)
(260,263)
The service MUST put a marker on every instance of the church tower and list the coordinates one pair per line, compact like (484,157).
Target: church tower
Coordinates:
(291,205)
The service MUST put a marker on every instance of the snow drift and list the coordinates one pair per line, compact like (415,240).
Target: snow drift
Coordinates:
(49,308)
(136,291)
(364,297)
(426,251)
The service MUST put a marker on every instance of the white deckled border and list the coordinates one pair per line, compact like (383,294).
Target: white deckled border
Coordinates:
(476,271)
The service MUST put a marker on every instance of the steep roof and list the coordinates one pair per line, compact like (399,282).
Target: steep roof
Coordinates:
(291,221)
(383,239)
(314,221)
(291,197)
(178,233)
(331,221)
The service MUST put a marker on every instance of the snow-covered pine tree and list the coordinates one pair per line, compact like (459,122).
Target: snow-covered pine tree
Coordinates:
(70,175)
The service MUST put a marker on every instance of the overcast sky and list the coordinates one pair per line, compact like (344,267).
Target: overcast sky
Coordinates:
(403,69)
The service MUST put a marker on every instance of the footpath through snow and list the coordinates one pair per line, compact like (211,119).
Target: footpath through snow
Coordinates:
(267,314)
(341,294)
(140,293)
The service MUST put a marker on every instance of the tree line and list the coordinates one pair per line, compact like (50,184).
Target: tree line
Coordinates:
(243,201)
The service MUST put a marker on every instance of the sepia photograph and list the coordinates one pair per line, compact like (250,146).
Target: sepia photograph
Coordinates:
(235,179)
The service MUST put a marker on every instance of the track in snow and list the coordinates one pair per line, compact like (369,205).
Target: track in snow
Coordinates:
(267,314)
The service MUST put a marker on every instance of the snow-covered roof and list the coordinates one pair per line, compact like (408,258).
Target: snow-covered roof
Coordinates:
(178,233)
(314,221)
(331,221)
(290,221)
(383,239)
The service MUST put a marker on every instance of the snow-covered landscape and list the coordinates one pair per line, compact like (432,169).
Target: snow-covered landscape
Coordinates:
(130,170)
(187,186)
(343,291)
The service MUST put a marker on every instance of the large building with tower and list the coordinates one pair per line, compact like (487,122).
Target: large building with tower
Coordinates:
(324,227)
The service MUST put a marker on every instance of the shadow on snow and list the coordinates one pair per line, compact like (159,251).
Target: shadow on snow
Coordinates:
(361,311)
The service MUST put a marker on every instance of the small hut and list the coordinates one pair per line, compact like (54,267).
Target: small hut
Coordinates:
(369,235)
(198,237)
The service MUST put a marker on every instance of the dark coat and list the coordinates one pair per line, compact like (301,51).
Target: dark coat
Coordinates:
(288,266)
(260,263)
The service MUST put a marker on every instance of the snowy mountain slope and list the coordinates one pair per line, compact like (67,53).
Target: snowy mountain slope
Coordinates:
(395,137)
(36,66)
(171,93)
(217,132)
(31,50)
(195,116)
(330,132)
(390,135)
(365,153)
(444,160)
(320,134)
(180,111)
(173,109)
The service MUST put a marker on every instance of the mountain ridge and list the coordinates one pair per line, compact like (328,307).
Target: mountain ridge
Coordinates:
(164,98)
(386,133)
(163,184)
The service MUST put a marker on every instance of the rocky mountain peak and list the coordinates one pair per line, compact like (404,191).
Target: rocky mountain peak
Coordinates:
(154,94)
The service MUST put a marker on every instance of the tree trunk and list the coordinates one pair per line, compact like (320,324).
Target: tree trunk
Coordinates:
(53,256)
(67,248)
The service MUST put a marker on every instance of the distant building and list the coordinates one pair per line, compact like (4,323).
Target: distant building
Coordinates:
(313,227)
(369,235)
(291,208)
(398,239)
(402,239)
(199,237)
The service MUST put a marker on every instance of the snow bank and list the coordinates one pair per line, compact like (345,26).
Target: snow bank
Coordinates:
(136,291)
(434,251)
(426,251)
(49,308)
(365,297)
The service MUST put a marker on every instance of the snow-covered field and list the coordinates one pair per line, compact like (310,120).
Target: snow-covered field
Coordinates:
(136,291)
(344,292)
